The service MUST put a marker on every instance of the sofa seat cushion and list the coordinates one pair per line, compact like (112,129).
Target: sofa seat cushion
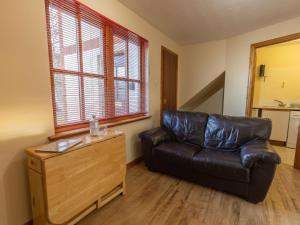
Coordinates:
(179,154)
(221,164)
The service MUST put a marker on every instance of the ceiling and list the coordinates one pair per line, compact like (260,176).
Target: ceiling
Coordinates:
(193,21)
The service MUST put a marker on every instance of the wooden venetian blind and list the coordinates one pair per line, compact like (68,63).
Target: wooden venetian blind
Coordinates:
(97,66)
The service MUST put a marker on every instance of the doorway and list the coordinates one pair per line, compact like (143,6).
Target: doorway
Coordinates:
(273,85)
(254,67)
(169,75)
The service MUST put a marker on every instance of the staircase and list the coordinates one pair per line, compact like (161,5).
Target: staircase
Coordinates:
(209,99)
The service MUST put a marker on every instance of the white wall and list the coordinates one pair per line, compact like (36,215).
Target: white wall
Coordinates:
(238,58)
(25,96)
(201,63)
(214,104)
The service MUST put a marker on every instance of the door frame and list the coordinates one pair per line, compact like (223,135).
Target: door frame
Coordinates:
(163,48)
(252,68)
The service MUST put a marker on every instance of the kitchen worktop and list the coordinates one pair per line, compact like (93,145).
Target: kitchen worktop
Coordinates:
(276,108)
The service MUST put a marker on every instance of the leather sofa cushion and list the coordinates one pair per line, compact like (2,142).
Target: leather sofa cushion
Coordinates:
(179,154)
(220,164)
(186,126)
(229,133)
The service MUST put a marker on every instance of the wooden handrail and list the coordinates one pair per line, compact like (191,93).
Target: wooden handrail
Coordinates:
(205,93)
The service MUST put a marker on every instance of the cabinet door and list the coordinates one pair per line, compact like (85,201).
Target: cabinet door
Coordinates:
(254,113)
(37,198)
(77,179)
(280,123)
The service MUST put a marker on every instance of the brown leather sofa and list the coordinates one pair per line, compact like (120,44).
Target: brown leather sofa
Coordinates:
(231,154)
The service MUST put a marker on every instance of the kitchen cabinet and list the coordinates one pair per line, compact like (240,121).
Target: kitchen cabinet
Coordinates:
(254,113)
(280,123)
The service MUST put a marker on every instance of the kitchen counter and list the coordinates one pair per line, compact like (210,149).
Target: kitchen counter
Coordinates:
(285,121)
(276,108)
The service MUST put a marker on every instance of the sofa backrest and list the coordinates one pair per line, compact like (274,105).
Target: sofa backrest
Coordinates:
(186,126)
(228,133)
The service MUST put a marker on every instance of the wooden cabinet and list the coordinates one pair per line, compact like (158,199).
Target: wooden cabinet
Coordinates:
(67,186)
(280,123)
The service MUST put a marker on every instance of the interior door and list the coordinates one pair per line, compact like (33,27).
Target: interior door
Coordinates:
(169,65)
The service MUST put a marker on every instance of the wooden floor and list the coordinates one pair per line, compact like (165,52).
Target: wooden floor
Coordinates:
(287,155)
(157,199)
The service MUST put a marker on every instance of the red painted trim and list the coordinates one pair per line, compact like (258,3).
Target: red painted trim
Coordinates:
(77,73)
(82,94)
(50,61)
(110,91)
(143,80)
(110,29)
(127,76)
(126,79)
(66,134)
(75,126)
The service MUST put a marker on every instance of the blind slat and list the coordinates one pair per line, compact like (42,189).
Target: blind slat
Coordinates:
(96,65)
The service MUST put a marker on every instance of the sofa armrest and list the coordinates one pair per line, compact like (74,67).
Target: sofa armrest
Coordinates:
(155,136)
(258,151)
(150,139)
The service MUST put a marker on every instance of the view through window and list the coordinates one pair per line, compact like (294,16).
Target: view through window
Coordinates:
(97,67)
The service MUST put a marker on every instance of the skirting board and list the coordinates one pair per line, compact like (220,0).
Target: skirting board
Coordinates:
(129,165)
(278,143)
(29,222)
(134,162)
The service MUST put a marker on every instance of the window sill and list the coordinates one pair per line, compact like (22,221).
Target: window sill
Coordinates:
(67,134)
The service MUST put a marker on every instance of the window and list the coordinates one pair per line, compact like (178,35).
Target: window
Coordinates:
(97,67)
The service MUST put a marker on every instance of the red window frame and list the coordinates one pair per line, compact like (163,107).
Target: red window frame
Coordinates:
(109,29)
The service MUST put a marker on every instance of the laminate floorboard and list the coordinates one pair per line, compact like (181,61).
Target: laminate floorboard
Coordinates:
(158,199)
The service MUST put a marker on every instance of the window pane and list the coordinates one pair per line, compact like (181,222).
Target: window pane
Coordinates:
(134,97)
(120,98)
(92,41)
(83,86)
(63,27)
(120,56)
(94,97)
(146,84)
(133,60)
(67,98)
